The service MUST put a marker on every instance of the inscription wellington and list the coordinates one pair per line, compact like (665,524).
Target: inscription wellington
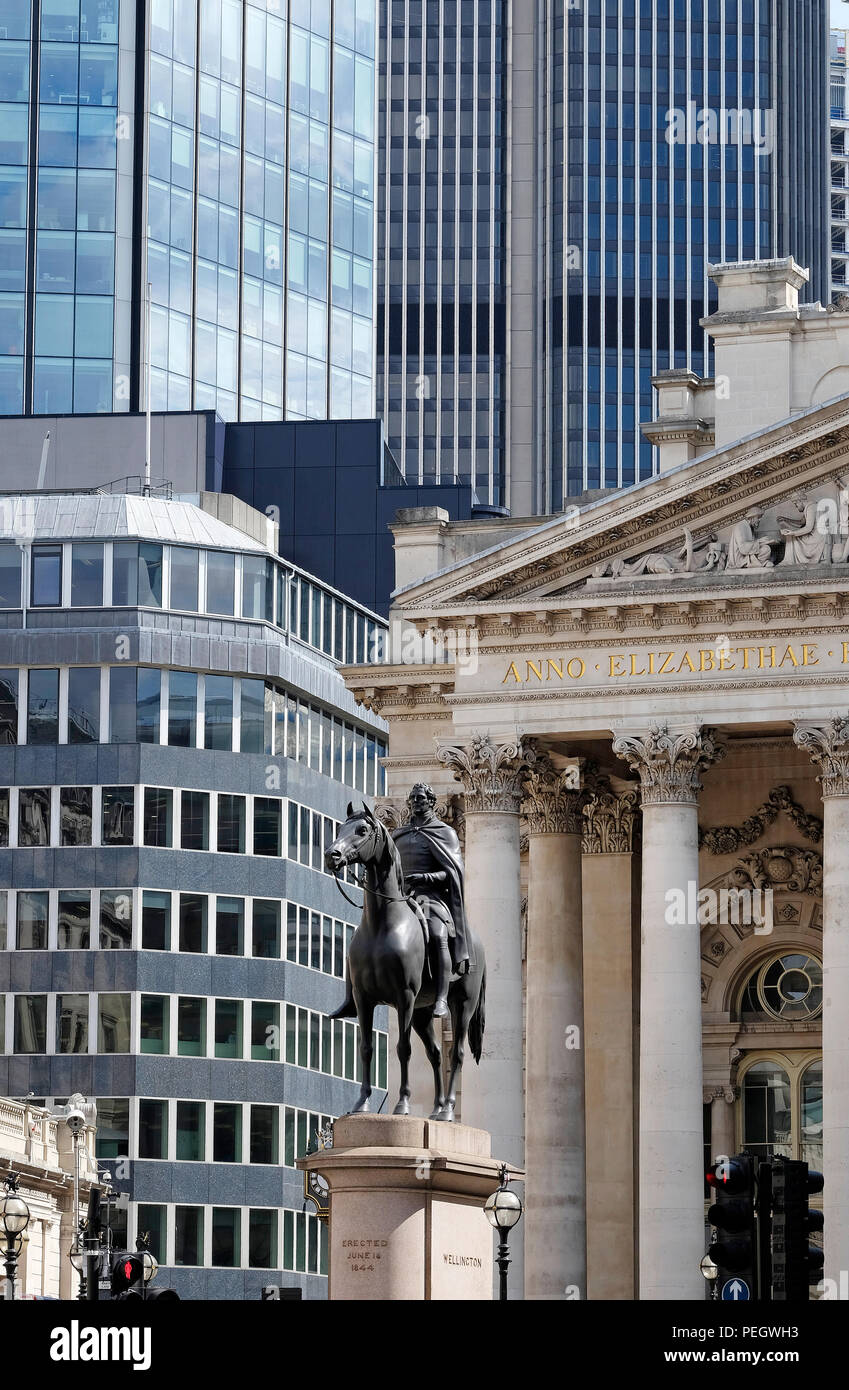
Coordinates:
(644,663)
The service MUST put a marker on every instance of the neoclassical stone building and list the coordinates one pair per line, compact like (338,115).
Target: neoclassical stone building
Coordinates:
(639,715)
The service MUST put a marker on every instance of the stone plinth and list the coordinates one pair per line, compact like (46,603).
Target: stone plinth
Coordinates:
(406,1208)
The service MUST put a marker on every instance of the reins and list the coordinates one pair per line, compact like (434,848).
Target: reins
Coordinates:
(364,888)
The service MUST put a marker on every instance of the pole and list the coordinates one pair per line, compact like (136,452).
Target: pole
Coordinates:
(11,1261)
(503,1263)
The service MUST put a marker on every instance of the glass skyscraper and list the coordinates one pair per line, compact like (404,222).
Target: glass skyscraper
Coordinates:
(587,161)
(241,136)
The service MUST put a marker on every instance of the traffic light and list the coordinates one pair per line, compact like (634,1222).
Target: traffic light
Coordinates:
(127,1276)
(795,1262)
(734,1217)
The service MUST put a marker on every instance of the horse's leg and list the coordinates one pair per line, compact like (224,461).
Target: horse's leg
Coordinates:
(462,1009)
(423,1024)
(365,1014)
(405,1021)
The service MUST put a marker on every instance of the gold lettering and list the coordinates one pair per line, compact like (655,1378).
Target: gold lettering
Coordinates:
(724,663)
(557,666)
(808,659)
(613,670)
(575,661)
(667,657)
(706,662)
(845,652)
(651,663)
(537,670)
(690,666)
(745,651)
(512,671)
(788,655)
(761,651)
(633,665)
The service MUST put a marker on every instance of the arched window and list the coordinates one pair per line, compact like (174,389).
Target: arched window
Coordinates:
(811,1112)
(767,1115)
(787,987)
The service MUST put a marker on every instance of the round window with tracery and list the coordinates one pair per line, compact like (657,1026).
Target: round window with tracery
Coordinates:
(788,987)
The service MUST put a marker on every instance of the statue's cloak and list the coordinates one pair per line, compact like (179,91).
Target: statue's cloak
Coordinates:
(445,847)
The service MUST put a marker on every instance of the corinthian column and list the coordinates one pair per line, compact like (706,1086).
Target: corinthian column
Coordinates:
(828,746)
(671,1180)
(555,1143)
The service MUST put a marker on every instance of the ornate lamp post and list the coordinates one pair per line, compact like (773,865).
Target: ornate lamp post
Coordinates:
(14,1217)
(76,1255)
(503,1210)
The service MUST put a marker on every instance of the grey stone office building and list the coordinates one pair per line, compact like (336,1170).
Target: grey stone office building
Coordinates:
(550,196)
(176,747)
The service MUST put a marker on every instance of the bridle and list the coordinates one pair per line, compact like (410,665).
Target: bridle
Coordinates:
(362,885)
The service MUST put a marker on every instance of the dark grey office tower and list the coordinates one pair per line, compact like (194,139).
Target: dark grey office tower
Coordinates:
(556,178)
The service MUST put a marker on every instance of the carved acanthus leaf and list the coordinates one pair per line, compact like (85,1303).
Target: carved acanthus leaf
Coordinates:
(669,764)
(491,773)
(828,745)
(611,820)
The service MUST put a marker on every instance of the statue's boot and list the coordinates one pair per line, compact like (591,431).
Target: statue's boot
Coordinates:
(442,961)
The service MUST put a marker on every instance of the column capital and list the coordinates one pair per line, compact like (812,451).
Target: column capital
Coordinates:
(491,773)
(610,819)
(828,746)
(670,762)
(554,797)
(727,1092)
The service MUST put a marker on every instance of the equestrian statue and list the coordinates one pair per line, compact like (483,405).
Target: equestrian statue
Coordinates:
(413,949)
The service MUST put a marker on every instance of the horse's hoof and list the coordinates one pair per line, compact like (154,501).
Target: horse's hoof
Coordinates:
(446,1114)
(436,1112)
(402,1108)
(362,1108)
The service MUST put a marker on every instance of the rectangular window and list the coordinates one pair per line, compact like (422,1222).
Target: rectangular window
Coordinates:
(193,919)
(184,578)
(46,576)
(188,1235)
(113,1023)
(32,921)
(72,1023)
(8,707)
(84,704)
(230,927)
(150,575)
(4,921)
(220,582)
(182,709)
(73,930)
(158,811)
(191,1120)
(262,1238)
(265,1032)
(268,826)
(191,1027)
(10,577)
(86,574)
(153,1128)
(226,1223)
(4,816)
(43,707)
(156,921)
(231,824)
(75,822)
(122,704)
(252,721)
(194,820)
(116,919)
(226,1133)
(228,1028)
(113,1127)
(154,1023)
(218,722)
(148,703)
(257,591)
(266,928)
(30,1023)
(118,816)
(125,570)
(151,1224)
(264,1134)
(33,817)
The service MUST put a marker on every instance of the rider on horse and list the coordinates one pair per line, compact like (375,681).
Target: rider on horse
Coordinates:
(433,868)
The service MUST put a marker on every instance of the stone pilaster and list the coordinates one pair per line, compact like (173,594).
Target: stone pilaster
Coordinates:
(721,1101)
(671,1241)
(555,1145)
(492,775)
(828,745)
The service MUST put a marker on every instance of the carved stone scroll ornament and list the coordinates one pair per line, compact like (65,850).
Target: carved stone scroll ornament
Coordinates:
(669,764)
(492,773)
(611,821)
(554,798)
(828,746)
(785,868)
(727,839)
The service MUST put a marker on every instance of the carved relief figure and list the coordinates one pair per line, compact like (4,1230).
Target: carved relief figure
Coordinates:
(745,549)
(807,543)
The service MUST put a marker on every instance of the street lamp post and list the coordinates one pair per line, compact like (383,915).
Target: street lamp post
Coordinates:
(76,1255)
(503,1210)
(14,1216)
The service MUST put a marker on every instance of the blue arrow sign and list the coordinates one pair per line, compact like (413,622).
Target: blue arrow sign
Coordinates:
(735,1291)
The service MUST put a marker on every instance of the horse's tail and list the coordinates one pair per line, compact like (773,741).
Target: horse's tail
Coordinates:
(477,1023)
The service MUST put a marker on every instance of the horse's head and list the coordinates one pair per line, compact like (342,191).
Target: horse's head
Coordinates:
(361,839)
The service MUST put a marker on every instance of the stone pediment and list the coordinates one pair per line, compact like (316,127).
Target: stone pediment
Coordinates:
(694,526)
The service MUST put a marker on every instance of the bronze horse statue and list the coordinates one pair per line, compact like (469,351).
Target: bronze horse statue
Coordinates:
(386,965)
